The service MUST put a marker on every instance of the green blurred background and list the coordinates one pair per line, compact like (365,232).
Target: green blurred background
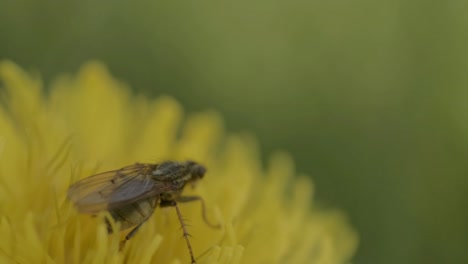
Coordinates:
(371,97)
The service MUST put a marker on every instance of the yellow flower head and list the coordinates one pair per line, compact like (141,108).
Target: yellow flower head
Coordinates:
(90,123)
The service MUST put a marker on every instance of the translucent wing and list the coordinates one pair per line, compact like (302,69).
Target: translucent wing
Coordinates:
(115,188)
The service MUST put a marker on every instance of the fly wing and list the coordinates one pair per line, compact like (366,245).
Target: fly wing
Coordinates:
(115,188)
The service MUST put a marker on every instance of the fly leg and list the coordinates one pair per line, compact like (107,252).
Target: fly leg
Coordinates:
(134,230)
(109,226)
(186,235)
(130,235)
(187,199)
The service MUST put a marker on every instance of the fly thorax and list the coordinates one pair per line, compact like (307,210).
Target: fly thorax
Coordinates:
(169,171)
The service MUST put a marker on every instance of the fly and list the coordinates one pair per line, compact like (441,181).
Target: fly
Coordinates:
(131,193)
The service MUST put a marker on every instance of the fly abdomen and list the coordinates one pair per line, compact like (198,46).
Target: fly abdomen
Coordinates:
(134,214)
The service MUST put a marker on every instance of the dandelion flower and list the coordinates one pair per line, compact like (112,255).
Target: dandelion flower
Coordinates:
(90,122)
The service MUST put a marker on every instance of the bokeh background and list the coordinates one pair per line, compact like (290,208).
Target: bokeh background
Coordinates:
(371,97)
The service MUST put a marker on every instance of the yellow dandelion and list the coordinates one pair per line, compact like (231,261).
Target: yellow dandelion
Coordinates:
(90,123)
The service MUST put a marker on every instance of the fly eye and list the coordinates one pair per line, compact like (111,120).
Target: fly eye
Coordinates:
(200,171)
